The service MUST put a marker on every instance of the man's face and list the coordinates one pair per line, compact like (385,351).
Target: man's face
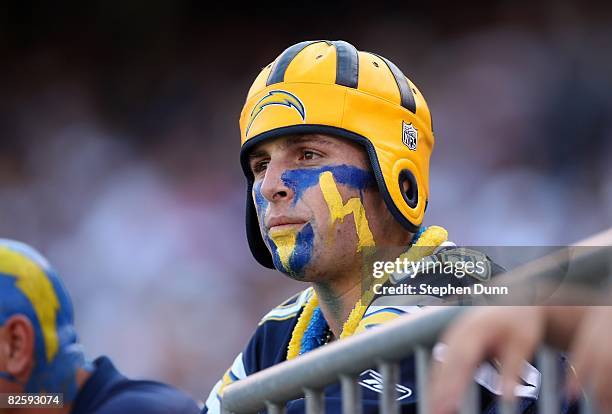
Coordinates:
(318,205)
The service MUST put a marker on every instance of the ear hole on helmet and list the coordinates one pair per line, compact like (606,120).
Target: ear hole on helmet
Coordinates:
(409,188)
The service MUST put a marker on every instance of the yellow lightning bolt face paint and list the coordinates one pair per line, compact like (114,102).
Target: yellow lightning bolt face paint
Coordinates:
(284,240)
(34,284)
(338,210)
(292,249)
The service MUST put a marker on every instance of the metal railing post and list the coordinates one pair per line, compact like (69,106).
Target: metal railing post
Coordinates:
(351,394)
(508,406)
(315,401)
(274,408)
(471,402)
(548,361)
(422,357)
(390,373)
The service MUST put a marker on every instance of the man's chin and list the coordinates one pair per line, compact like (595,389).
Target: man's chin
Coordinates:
(305,274)
(301,275)
(308,274)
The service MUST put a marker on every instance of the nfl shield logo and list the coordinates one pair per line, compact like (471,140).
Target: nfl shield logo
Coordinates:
(410,136)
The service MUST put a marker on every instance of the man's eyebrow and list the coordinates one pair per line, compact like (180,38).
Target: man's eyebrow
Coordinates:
(301,139)
(258,154)
(295,140)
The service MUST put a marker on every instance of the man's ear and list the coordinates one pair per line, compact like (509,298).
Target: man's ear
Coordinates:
(19,338)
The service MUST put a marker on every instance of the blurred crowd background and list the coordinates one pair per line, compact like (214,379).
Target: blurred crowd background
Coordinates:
(119,148)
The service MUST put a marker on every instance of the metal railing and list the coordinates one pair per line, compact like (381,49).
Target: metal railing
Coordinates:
(385,346)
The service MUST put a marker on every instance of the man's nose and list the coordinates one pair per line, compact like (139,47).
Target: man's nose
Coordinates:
(273,188)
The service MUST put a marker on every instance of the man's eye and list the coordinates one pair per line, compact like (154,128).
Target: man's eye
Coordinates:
(260,166)
(309,155)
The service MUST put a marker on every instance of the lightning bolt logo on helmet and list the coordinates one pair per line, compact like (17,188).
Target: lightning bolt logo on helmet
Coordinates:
(277,97)
(30,287)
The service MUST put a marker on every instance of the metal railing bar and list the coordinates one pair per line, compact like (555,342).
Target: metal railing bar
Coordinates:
(422,357)
(274,408)
(471,401)
(508,406)
(351,394)
(588,405)
(321,367)
(390,372)
(548,401)
(315,401)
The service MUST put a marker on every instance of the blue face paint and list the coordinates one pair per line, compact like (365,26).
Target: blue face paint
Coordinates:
(261,204)
(301,180)
(296,248)
(28,286)
(303,249)
(291,255)
(291,252)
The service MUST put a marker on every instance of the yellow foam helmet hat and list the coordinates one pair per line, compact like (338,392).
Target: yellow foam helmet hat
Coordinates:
(329,87)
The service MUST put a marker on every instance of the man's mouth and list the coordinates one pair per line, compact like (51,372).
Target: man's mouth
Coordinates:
(277,224)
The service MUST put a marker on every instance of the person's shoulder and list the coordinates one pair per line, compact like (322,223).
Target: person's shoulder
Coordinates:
(267,346)
(289,309)
(107,391)
(147,397)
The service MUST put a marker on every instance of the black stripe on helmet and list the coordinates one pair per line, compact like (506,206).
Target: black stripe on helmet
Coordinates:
(406,96)
(347,65)
(277,74)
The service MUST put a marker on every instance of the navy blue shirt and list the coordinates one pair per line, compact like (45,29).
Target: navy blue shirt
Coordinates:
(107,391)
